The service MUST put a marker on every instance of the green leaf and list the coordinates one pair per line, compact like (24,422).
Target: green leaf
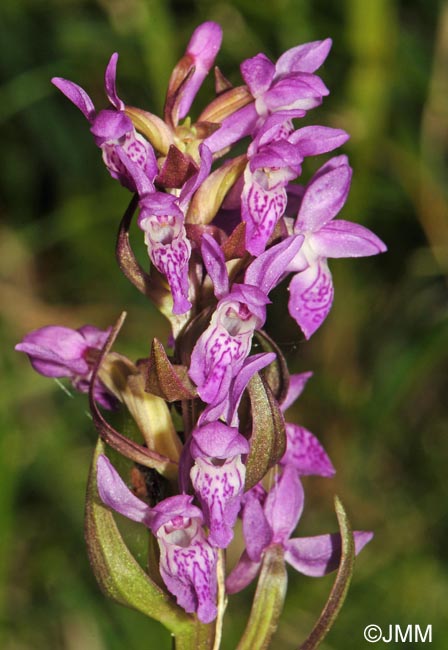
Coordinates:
(117,572)
(165,379)
(125,255)
(340,586)
(268,601)
(123,580)
(129,448)
(276,374)
(268,440)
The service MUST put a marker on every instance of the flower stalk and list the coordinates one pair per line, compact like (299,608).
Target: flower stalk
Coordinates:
(209,404)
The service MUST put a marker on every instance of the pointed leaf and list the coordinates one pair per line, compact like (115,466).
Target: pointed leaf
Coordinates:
(150,412)
(152,127)
(227,103)
(235,246)
(268,601)
(125,255)
(210,195)
(117,572)
(276,374)
(221,82)
(340,586)
(165,379)
(123,445)
(154,286)
(177,169)
(268,440)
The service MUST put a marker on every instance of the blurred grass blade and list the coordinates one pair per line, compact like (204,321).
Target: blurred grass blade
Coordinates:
(340,586)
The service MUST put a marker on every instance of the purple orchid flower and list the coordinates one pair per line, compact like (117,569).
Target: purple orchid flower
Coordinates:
(275,159)
(221,350)
(218,476)
(57,352)
(289,85)
(311,289)
(227,409)
(112,127)
(287,88)
(303,450)
(169,249)
(270,519)
(162,218)
(187,560)
(201,52)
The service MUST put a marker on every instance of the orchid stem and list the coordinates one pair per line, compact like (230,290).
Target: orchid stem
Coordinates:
(222,600)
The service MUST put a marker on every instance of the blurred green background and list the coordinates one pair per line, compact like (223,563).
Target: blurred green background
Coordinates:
(377,399)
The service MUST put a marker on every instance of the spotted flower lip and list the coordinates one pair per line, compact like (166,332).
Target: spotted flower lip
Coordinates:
(218,477)
(187,560)
(311,289)
(275,159)
(162,218)
(221,351)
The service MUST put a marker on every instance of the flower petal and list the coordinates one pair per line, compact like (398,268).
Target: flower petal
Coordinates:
(304,58)
(110,125)
(300,91)
(127,170)
(324,197)
(56,351)
(258,73)
(174,509)
(110,83)
(217,440)
(317,556)
(116,495)
(234,127)
(252,364)
(172,260)
(215,264)
(314,140)
(296,385)
(311,297)
(95,337)
(76,95)
(267,270)
(284,504)
(189,569)
(261,209)
(219,489)
(202,49)
(305,453)
(340,238)
(242,574)
(257,531)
